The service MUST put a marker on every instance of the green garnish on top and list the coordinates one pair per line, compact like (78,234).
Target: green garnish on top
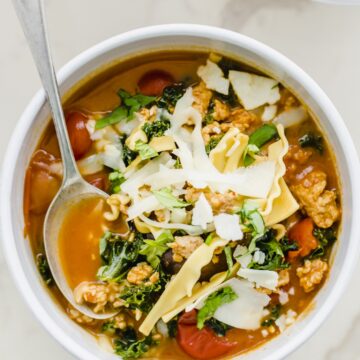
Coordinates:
(213,302)
(168,199)
(129,105)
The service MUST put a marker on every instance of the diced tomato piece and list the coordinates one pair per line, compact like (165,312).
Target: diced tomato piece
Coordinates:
(154,82)
(302,234)
(99,180)
(43,181)
(200,344)
(78,134)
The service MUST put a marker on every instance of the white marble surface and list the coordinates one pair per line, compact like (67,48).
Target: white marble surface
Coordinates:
(322,39)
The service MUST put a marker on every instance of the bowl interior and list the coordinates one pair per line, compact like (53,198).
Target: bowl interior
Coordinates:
(34,121)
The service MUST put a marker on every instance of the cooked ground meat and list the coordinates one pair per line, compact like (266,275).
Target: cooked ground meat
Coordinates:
(184,246)
(311,273)
(202,97)
(141,272)
(295,159)
(219,202)
(221,111)
(320,204)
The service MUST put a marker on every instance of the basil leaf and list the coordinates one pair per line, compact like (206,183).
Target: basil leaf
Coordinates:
(114,117)
(166,198)
(213,302)
(259,138)
(145,150)
(153,249)
(134,102)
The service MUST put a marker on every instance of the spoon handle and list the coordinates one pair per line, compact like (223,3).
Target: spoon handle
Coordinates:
(31,16)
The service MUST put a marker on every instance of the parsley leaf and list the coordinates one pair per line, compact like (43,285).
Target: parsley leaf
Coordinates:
(153,249)
(213,302)
(116,178)
(166,198)
(145,150)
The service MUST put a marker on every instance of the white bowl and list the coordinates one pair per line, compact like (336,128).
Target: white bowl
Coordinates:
(34,120)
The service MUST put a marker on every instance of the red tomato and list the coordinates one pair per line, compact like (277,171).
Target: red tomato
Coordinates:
(200,344)
(99,180)
(43,180)
(302,234)
(78,134)
(154,82)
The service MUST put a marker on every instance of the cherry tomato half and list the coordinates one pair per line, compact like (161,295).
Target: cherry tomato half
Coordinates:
(200,344)
(154,82)
(78,134)
(302,234)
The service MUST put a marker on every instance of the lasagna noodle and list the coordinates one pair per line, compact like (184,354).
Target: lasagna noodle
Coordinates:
(182,284)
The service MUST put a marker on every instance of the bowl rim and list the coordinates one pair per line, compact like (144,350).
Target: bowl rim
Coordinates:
(220,34)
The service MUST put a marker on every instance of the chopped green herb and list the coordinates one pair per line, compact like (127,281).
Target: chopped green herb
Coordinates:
(214,140)
(229,259)
(156,128)
(134,103)
(129,105)
(44,269)
(145,150)
(117,115)
(213,302)
(209,239)
(154,249)
(274,315)
(312,140)
(166,198)
(116,178)
(259,138)
(251,217)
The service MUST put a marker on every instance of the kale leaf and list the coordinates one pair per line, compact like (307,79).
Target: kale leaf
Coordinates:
(274,251)
(273,316)
(156,128)
(217,326)
(172,326)
(171,95)
(214,140)
(213,302)
(128,346)
(44,269)
(117,255)
(312,140)
(144,296)
(325,237)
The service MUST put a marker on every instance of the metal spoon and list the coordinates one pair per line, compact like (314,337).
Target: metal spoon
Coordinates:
(74,188)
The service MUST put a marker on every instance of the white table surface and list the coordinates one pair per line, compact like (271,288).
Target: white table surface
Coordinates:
(323,39)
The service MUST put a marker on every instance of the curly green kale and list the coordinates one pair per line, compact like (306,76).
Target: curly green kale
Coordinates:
(325,237)
(171,95)
(312,140)
(273,316)
(117,255)
(44,269)
(129,346)
(156,128)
